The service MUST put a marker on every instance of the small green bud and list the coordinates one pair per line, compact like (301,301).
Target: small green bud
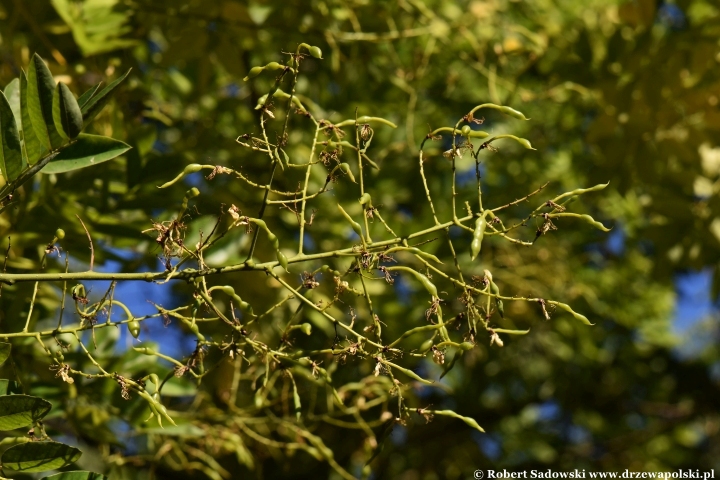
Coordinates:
(306,328)
(134,328)
(59,233)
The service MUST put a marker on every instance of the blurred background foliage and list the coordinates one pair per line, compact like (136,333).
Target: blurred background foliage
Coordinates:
(618,91)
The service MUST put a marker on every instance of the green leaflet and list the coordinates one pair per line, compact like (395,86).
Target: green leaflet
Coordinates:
(11,157)
(39,456)
(66,112)
(17,411)
(12,93)
(34,150)
(90,93)
(99,100)
(76,475)
(41,87)
(86,151)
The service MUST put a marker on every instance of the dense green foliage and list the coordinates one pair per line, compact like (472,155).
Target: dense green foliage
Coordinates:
(625,93)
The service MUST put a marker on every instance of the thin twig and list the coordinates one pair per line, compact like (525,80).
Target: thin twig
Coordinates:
(92,250)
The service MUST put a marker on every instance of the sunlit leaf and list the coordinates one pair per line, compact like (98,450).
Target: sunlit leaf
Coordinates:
(86,151)
(99,100)
(34,150)
(41,87)
(39,456)
(11,158)
(12,93)
(18,411)
(90,93)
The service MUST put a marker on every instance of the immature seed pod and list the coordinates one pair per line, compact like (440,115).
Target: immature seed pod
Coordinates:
(355,226)
(192,168)
(315,52)
(59,233)
(513,113)
(282,260)
(133,327)
(144,350)
(478,234)
(306,328)
(425,281)
(366,199)
(465,346)
(501,308)
(274,66)
(426,345)
(466,130)
(345,168)
(254,72)
(572,312)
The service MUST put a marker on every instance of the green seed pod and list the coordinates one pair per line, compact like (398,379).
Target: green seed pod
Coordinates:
(306,328)
(133,327)
(522,141)
(465,346)
(254,72)
(59,233)
(345,168)
(500,307)
(327,269)
(478,134)
(355,226)
(192,168)
(496,291)
(478,234)
(192,193)
(144,350)
(282,260)
(315,52)
(426,345)
(366,200)
(513,113)
(466,130)
(274,66)
(425,281)
(578,316)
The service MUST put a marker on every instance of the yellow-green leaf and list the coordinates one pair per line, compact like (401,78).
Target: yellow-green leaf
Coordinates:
(39,456)
(86,151)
